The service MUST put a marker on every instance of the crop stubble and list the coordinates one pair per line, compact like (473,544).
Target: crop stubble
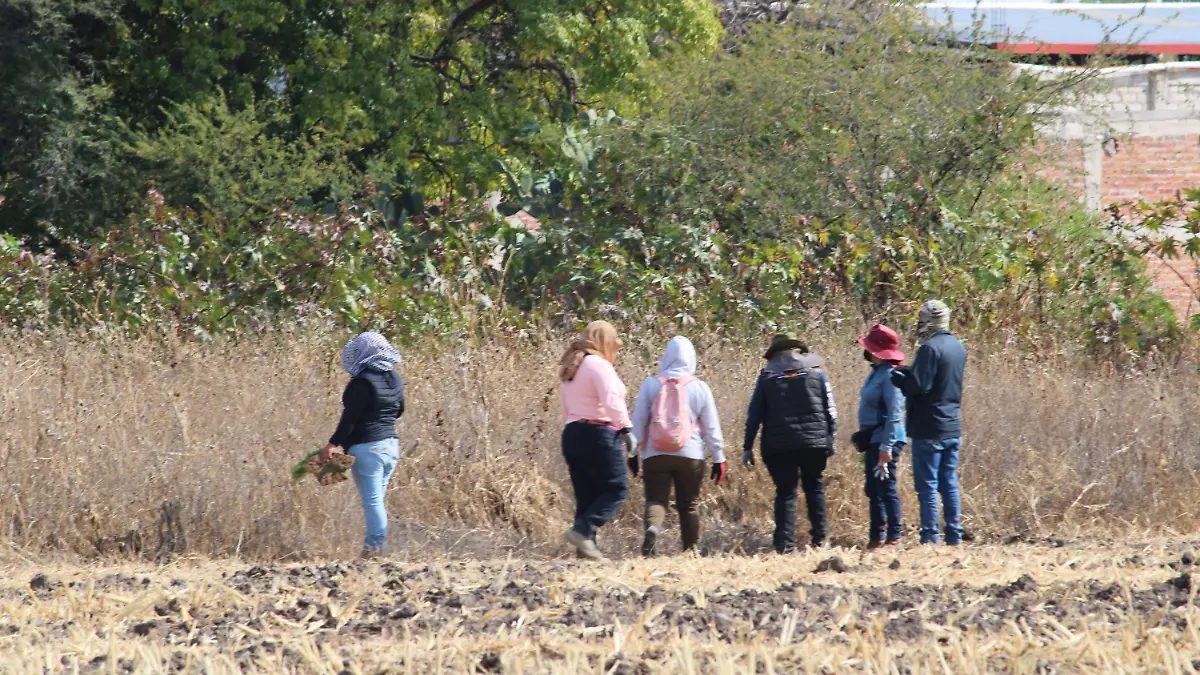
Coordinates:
(1064,607)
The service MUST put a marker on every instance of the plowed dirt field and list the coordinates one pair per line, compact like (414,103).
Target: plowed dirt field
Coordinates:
(1047,607)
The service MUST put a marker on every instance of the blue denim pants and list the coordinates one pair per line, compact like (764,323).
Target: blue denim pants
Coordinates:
(883,496)
(596,463)
(935,471)
(374,463)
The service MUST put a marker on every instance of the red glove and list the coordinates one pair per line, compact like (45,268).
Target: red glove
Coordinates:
(718,473)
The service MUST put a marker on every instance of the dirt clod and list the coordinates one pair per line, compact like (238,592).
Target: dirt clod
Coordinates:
(895,564)
(406,611)
(834,564)
(489,663)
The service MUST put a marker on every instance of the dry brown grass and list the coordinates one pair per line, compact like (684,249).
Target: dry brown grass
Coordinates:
(117,447)
(1081,608)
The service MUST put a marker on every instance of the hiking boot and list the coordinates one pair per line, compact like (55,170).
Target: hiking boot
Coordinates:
(369,554)
(649,539)
(586,547)
(874,544)
(892,542)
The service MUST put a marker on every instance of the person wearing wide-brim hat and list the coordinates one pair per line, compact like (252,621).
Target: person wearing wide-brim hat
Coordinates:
(793,404)
(881,434)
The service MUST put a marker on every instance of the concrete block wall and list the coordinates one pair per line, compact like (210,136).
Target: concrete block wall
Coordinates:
(1139,140)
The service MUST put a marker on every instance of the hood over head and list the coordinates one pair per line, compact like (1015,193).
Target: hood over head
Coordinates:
(679,360)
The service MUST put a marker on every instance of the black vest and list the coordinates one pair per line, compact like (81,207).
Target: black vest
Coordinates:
(380,421)
(796,419)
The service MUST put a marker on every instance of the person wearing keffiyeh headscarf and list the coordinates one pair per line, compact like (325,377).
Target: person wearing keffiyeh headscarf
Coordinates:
(371,403)
(933,388)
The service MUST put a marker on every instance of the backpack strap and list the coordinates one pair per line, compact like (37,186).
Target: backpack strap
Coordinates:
(683,381)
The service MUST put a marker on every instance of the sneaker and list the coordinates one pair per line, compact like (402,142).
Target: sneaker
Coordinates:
(586,547)
(649,539)
(874,544)
(892,542)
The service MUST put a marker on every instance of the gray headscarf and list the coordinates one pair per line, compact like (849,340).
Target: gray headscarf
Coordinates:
(369,350)
(933,317)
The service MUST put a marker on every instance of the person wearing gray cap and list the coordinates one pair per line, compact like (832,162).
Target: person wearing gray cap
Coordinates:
(933,391)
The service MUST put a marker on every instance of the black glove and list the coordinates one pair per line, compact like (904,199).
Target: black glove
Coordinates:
(900,375)
(631,458)
(626,435)
(718,473)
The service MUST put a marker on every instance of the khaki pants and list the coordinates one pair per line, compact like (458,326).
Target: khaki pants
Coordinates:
(687,475)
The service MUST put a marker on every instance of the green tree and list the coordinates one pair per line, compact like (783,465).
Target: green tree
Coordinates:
(424,93)
(57,149)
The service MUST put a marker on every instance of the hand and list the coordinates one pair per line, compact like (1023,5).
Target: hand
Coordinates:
(885,456)
(748,458)
(632,462)
(881,472)
(718,472)
(626,435)
(327,453)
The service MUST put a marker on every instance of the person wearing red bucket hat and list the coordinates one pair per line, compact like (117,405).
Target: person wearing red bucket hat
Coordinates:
(881,434)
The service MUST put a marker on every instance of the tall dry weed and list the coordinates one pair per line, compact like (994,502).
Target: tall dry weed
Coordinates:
(128,447)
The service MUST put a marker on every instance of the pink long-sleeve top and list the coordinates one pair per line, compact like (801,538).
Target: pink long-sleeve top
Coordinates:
(596,394)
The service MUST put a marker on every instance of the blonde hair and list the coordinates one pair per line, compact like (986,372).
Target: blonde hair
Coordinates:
(599,338)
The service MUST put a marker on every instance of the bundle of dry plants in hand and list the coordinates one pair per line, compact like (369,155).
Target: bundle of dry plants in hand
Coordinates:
(327,472)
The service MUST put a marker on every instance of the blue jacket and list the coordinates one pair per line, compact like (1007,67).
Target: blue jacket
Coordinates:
(881,405)
(933,387)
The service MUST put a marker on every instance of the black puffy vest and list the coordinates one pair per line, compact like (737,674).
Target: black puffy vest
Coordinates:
(380,422)
(795,419)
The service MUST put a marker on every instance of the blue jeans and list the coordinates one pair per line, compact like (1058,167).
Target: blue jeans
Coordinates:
(374,463)
(883,497)
(596,463)
(935,471)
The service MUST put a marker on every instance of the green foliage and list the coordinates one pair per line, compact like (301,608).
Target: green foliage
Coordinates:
(1169,231)
(58,152)
(198,275)
(211,159)
(424,95)
(848,163)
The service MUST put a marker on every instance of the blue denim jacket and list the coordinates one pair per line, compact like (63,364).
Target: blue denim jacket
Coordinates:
(881,401)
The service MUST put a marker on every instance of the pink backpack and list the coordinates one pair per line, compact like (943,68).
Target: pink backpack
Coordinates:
(670,416)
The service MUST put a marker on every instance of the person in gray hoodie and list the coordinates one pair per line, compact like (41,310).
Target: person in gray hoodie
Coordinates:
(682,468)
(793,404)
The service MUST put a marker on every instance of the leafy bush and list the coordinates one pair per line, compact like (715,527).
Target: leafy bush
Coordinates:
(236,163)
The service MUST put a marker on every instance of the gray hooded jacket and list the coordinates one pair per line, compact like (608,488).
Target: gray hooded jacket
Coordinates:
(679,360)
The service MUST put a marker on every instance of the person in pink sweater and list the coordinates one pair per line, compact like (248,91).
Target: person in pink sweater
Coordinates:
(598,432)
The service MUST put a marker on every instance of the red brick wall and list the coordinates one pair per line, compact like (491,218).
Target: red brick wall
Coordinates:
(1140,169)
(1150,169)
(1178,281)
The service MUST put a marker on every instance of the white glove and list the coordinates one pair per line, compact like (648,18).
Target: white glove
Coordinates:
(748,458)
(881,472)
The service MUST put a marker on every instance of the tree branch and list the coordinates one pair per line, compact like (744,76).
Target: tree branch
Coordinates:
(461,19)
